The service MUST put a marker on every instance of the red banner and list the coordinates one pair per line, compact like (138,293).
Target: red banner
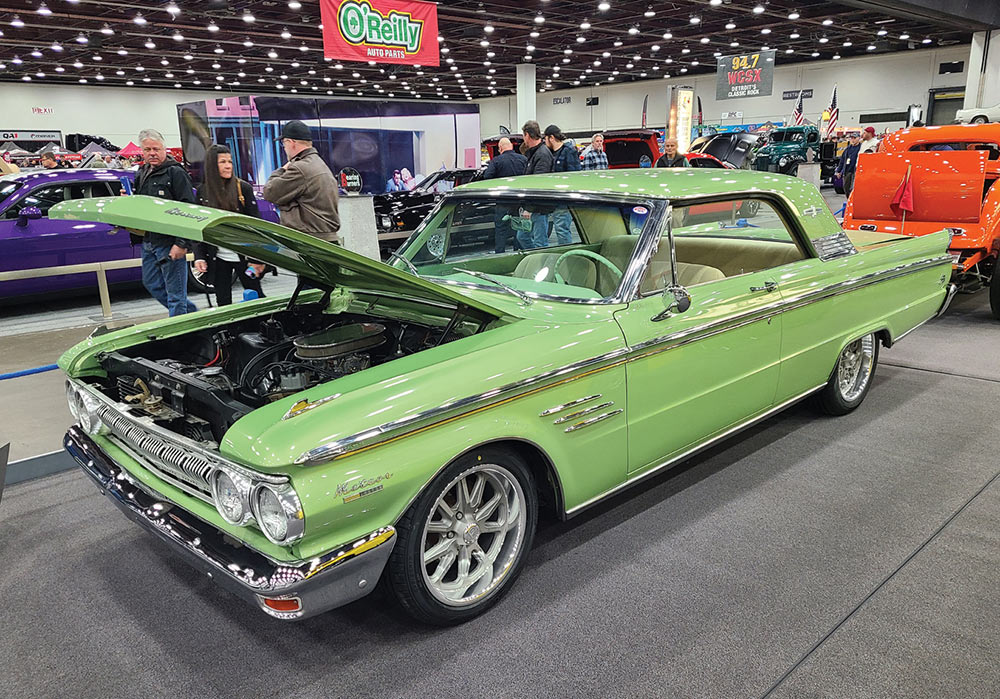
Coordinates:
(384,31)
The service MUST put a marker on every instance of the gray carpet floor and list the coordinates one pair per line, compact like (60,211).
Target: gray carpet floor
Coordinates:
(809,557)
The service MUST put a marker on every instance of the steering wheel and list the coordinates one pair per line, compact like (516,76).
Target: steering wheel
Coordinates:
(585,253)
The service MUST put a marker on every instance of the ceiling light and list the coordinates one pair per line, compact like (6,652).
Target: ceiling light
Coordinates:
(633,30)
(871,47)
(714,3)
(248,18)
(539,19)
(81,39)
(848,43)
(303,48)
(57,47)
(704,39)
(695,19)
(789,50)
(36,53)
(827,22)
(685,50)
(568,51)
(926,41)
(188,57)
(248,43)
(534,35)
(172,9)
(730,25)
(604,6)
(823,40)
(765,30)
(836,57)
(649,12)
(794,35)
(212,26)
(580,39)
(149,44)
(285,34)
(122,52)
(16,22)
(43,10)
(617,44)
(668,35)
(17,61)
(484,43)
(882,32)
(60,69)
(758,9)
(489,29)
(294,5)
(529,48)
(272,54)
(815,54)
(654,47)
(97,58)
(793,15)
(904,37)
(177,36)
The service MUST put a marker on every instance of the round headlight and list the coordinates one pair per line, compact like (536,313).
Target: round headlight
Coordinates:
(73,399)
(271,515)
(87,407)
(229,499)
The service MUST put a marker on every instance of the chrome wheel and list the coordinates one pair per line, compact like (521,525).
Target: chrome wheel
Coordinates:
(473,535)
(854,369)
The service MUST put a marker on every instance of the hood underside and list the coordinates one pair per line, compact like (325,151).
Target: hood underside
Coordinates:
(323,263)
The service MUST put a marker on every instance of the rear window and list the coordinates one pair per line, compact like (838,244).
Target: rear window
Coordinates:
(633,153)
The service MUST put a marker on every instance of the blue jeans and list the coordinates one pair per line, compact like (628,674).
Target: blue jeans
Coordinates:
(561,226)
(166,279)
(539,231)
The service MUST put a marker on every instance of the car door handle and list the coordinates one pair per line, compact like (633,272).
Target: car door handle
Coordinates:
(769,286)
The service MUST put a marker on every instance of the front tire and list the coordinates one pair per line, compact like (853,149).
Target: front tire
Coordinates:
(980,120)
(852,377)
(464,541)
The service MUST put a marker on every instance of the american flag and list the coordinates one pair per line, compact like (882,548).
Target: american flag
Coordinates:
(797,116)
(834,113)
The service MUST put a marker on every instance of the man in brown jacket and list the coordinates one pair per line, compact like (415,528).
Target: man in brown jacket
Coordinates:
(304,190)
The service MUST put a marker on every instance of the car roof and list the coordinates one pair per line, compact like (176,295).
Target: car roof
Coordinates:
(948,133)
(669,183)
(96,174)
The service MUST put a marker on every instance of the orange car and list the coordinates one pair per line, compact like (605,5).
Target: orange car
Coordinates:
(953,171)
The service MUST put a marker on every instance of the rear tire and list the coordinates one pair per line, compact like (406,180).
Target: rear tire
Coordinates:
(852,377)
(980,120)
(995,290)
(463,543)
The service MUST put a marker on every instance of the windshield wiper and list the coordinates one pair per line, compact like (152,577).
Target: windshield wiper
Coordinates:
(405,262)
(520,294)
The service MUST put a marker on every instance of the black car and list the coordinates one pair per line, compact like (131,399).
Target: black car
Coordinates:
(732,148)
(398,213)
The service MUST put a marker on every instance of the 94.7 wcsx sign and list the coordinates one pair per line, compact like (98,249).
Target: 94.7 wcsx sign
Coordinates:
(384,31)
(745,75)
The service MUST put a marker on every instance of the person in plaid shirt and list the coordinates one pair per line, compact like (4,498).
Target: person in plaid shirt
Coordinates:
(595,158)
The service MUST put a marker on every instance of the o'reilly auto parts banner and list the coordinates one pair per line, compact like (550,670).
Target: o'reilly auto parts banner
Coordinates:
(745,75)
(384,31)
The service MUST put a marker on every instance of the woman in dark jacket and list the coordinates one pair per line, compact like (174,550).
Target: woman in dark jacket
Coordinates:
(223,190)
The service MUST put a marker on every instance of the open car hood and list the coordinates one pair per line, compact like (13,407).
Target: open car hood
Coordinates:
(322,262)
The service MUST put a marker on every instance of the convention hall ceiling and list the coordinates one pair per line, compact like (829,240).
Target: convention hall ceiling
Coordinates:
(276,46)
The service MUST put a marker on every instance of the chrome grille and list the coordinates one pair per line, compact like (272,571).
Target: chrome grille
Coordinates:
(188,471)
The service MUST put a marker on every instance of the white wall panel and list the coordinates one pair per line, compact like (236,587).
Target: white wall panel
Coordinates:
(883,83)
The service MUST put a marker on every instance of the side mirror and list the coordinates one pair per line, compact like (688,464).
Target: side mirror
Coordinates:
(676,300)
(28,213)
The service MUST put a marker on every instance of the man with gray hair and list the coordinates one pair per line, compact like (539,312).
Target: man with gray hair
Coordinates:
(164,263)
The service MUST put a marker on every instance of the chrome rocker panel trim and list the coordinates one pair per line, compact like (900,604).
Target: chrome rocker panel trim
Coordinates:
(332,580)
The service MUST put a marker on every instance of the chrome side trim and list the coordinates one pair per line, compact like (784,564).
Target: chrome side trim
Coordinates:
(694,450)
(952,290)
(390,430)
(564,406)
(592,421)
(683,337)
(581,413)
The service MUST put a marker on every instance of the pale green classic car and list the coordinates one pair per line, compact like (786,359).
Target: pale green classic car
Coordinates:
(405,424)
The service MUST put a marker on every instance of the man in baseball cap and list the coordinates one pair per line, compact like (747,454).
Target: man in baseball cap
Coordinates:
(870,143)
(304,190)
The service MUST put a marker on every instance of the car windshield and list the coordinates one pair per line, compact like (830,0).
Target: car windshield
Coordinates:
(785,136)
(556,248)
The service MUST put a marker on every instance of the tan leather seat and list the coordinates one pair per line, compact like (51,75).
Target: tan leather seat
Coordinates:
(541,266)
(734,256)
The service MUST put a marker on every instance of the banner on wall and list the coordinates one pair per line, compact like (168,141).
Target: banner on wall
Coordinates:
(744,75)
(384,31)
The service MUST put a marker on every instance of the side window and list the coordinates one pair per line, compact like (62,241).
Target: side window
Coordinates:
(106,189)
(724,239)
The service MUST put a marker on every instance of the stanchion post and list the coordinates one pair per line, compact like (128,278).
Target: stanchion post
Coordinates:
(102,286)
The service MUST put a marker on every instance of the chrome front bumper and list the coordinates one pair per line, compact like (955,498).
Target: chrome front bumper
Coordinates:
(319,584)
(952,290)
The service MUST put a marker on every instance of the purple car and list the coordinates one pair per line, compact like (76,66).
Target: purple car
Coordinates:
(29,240)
